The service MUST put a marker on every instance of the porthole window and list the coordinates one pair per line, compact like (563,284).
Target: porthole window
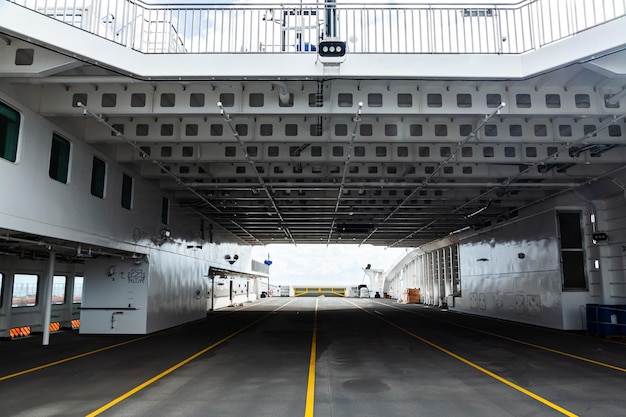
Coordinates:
(168,100)
(541,130)
(79,98)
(267,129)
(291,130)
(167,129)
(241,129)
(465,130)
(491,130)
(273,151)
(415,130)
(391,130)
(191,129)
(515,130)
(434,100)
(344,100)
(582,101)
(316,151)
(375,100)
(441,130)
(196,100)
(464,100)
(553,101)
(257,99)
(138,100)
(523,101)
(341,130)
(493,100)
(405,100)
(109,100)
(216,130)
(227,99)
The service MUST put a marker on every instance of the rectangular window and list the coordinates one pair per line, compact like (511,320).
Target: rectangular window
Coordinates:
(58,289)
(572,250)
(25,290)
(165,211)
(9,129)
(59,158)
(127,191)
(77,297)
(98,177)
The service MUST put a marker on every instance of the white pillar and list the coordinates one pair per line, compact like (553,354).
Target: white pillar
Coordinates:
(47,299)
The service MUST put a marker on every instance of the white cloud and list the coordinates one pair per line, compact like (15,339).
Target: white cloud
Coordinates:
(324,265)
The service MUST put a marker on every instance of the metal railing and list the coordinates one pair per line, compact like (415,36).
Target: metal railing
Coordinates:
(409,28)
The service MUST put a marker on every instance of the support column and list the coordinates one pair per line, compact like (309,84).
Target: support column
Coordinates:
(47,299)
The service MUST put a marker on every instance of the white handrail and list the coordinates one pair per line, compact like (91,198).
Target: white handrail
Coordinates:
(406,28)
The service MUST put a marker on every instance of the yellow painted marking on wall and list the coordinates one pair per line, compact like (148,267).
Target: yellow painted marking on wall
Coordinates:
(179,365)
(547,349)
(82,355)
(310,390)
(475,366)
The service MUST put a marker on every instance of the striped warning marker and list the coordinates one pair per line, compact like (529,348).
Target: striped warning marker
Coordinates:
(19,332)
(75,324)
(54,327)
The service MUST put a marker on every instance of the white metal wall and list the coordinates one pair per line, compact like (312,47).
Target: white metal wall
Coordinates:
(168,289)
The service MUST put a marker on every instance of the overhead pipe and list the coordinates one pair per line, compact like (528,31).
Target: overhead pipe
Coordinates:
(262,184)
(440,166)
(283,94)
(507,181)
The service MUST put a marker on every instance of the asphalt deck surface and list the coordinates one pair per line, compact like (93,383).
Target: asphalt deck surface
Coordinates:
(372,358)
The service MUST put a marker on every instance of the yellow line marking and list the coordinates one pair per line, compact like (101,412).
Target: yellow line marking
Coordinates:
(179,365)
(82,355)
(71,358)
(310,390)
(473,365)
(558,352)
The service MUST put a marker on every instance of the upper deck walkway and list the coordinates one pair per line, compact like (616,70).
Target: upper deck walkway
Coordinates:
(414,39)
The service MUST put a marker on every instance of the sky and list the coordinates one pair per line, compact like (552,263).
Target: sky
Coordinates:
(325,265)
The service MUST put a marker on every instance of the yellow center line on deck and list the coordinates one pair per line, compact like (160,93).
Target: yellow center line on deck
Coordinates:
(310,390)
(473,365)
(180,364)
(92,352)
(547,349)
(71,358)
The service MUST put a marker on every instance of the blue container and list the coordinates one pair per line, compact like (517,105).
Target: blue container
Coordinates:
(592,319)
(608,320)
(621,318)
